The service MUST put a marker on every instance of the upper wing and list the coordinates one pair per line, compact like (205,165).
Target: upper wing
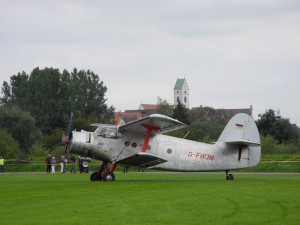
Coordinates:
(164,123)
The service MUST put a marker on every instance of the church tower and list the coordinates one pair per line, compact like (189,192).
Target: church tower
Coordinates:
(181,93)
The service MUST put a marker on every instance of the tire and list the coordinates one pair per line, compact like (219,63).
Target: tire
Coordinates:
(95,177)
(108,176)
(229,176)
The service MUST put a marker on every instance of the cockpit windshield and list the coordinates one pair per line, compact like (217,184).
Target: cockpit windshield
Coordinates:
(108,131)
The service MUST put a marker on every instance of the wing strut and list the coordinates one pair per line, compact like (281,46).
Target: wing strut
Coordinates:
(148,135)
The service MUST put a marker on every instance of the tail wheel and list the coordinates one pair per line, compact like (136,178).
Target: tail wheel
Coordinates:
(229,176)
(108,176)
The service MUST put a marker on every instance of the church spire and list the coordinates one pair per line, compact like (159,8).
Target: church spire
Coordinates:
(181,93)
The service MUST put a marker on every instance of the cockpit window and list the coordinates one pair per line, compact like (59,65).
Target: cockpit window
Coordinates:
(108,132)
(100,131)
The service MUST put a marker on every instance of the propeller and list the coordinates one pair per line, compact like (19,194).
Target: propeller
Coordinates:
(67,137)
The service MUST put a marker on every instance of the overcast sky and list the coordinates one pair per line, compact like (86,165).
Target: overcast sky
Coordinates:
(233,53)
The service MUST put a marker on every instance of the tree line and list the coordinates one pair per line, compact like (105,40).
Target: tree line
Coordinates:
(278,135)
(35,110)
(37,105)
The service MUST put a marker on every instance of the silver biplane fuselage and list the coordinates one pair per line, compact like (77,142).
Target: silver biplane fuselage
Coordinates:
(238,146)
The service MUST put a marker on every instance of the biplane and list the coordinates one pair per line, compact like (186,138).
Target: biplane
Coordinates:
(143,143)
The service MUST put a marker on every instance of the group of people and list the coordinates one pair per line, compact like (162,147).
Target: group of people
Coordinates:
(51,163)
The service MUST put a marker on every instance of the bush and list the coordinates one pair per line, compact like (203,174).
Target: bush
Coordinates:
(9,148)
(271,146)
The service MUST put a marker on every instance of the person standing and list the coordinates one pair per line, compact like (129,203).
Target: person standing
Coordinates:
(1,164)
(62,163)
(125,169)
(141,168)
(48,163)
(73,163)
(65,164)
(80,164)
(53,163)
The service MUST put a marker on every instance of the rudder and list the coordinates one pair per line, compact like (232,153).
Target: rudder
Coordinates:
(241,127)
(241,130)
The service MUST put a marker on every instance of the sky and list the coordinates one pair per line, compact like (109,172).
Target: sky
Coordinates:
(233,53)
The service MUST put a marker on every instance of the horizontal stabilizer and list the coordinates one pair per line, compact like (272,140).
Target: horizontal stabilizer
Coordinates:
(244,142)
(142,159)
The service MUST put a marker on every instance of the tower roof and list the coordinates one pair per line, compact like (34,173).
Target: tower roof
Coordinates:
(179,84)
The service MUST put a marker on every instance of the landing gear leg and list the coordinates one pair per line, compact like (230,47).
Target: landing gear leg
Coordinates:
(229,176)
(109,175)
(98,176)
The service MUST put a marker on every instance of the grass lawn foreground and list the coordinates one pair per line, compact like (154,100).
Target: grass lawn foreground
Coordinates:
(150,198)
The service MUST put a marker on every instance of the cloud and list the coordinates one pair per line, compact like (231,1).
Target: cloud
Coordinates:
(232,53)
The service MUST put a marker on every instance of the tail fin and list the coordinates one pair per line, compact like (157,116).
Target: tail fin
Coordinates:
(242,131)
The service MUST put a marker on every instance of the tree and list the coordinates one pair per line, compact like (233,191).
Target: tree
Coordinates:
(19,89)
(51,140)
(50,96)
(208,114)
(207,131)
(164,108)
(180,113)
(9,148)
(279,128)
(44,100)
(21,126)
(6,91)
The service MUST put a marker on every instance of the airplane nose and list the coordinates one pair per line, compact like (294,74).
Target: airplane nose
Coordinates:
(77,143)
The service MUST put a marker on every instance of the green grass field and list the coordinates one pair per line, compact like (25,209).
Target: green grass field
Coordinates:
(150,198)
(268,163)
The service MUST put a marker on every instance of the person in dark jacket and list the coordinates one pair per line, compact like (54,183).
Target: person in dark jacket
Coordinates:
(73,163)
(80,161)
(48,163)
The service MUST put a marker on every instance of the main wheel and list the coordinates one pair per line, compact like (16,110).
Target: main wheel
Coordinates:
(108,176)
(95,177)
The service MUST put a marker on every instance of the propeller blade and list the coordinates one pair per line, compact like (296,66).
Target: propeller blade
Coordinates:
(68,136)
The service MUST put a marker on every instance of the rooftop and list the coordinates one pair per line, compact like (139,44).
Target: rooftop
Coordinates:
(179,84)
